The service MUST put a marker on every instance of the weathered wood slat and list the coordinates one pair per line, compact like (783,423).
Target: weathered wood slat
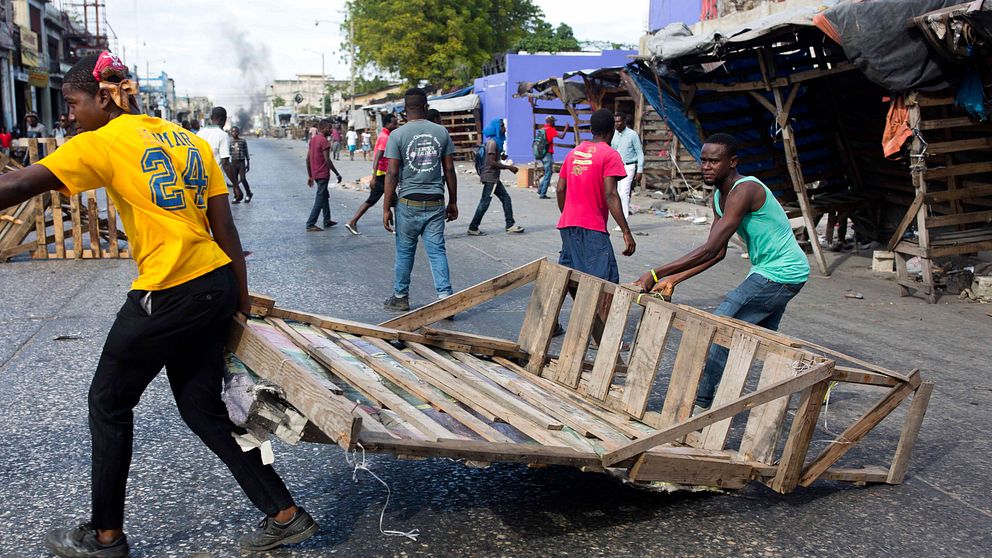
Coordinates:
(688,367)
(796,446)
(764,424)
(542,314)
(742,351)
(645,356)
(573,348)
(691,471)
(604,366)
(910,432)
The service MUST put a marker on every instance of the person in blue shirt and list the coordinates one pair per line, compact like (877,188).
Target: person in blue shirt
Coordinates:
(628,145)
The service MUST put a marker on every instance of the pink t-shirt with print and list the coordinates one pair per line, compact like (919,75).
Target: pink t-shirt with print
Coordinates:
(584,169)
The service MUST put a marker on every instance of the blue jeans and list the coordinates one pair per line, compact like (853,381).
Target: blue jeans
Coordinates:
(757,300)
(411,224)
(321,202)
(488,189)
(549,169)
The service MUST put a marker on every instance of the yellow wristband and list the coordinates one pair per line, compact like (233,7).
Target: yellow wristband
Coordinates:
(654,276)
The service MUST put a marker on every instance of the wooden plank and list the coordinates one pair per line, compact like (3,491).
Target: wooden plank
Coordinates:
(958,170)
(412,383)
(542,313)
(93,220)
(690,470)
(604,367)
(77,225)
(910,431)
(742,352)
(907,219)
(57,225)
(689,363)
(580,322)
(858,430)
(803,425)
(759,397)
(571,416)
(505,399)
(481,344)
(858,376)
(941,123)
(937,221)
(369,387)
(41,234)
(465,299)
(331,413)
(645,357)
(956,146)
(764,424)
(115,251)
(971,190)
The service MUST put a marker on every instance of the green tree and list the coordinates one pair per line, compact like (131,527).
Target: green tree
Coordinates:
(278,102)
(445,42)
(542,37)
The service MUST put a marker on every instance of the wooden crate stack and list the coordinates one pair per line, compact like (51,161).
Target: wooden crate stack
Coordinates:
(54,225)
(465,131)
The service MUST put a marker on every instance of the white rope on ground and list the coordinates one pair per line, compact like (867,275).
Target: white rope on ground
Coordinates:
(352,459)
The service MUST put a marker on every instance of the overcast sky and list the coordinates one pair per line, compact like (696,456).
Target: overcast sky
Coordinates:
(219,48)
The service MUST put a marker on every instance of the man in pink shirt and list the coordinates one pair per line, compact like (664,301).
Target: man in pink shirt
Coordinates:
(380,164)
(587,190)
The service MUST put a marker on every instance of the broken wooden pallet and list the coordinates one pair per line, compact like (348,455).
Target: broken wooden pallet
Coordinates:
(406,389)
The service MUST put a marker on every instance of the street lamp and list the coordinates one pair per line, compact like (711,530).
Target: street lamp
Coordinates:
(323,82)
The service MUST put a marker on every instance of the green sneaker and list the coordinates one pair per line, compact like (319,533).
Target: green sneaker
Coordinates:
(271,534)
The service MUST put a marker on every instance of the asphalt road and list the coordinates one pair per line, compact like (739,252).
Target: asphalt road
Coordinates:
(183,502)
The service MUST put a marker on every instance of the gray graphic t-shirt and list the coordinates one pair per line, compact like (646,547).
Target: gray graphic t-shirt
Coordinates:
(419,146)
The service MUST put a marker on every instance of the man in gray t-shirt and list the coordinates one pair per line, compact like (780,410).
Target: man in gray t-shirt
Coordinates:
(420,166)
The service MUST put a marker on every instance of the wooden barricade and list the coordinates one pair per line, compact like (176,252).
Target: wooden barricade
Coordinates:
(405,388)
(54,225)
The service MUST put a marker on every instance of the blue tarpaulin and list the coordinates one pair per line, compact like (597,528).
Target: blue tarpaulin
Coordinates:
(670,109)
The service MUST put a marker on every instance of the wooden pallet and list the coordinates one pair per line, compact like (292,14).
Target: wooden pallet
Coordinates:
(405,388)
(54,225)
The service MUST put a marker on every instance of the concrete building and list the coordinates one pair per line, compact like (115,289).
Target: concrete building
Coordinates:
(158,96)
(304,96)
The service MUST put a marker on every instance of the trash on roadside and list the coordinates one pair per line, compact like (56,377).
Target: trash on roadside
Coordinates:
(699,221)
(852,294)
(68,337)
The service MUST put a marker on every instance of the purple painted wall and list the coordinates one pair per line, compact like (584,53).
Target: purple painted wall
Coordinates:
(497,93)
(663,12)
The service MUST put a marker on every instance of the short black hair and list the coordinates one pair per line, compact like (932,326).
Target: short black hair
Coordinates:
(622,115)
(80,76)
(728,141)
(218,114)
(325,123)
(434,115)
(601,122)
(416,96)
(387,118)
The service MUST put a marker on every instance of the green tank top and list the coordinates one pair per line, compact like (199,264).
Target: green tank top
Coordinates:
(771,246)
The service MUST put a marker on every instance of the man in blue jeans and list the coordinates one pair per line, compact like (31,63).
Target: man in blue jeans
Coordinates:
(779,268)
(420,163)
(551,133)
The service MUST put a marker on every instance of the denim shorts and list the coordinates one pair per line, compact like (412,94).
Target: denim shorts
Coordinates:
(590,252)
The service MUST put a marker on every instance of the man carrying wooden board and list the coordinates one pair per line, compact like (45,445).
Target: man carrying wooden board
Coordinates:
(779,268)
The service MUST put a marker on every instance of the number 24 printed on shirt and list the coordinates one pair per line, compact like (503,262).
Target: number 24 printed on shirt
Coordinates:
(166,192)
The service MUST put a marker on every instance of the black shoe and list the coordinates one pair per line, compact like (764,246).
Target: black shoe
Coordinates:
(237,200)
(271,534)
(81,542)
(248,198)
(397,304)
(314,228)
(330,224)
(544,197)
(558,330)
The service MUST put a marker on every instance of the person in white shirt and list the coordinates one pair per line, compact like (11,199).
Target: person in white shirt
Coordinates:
(366,144)
(220,143)
(352,139)
(628,145)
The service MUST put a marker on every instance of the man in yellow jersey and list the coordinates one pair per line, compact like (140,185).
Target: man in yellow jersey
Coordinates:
(779,268)
(191,281)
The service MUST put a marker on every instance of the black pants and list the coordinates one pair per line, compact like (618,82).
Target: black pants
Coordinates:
(240,178)
(185,333)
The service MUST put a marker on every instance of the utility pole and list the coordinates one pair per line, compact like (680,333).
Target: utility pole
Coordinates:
(323,88)
(351,39)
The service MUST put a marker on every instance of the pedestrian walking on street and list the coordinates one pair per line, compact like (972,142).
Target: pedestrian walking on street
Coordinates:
(366,145)
(319,169)
(352,140)
(380,164)
(489,167)
(587,191)
(191,281)
(628,145)
(421,162)
(551,133)
(194,126)
(779,268)
(240,161)
(220,145)
(336,142)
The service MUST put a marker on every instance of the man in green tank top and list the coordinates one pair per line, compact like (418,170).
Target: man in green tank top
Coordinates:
(779,268)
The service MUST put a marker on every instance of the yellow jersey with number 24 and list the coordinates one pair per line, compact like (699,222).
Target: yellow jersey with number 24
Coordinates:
(160,177)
